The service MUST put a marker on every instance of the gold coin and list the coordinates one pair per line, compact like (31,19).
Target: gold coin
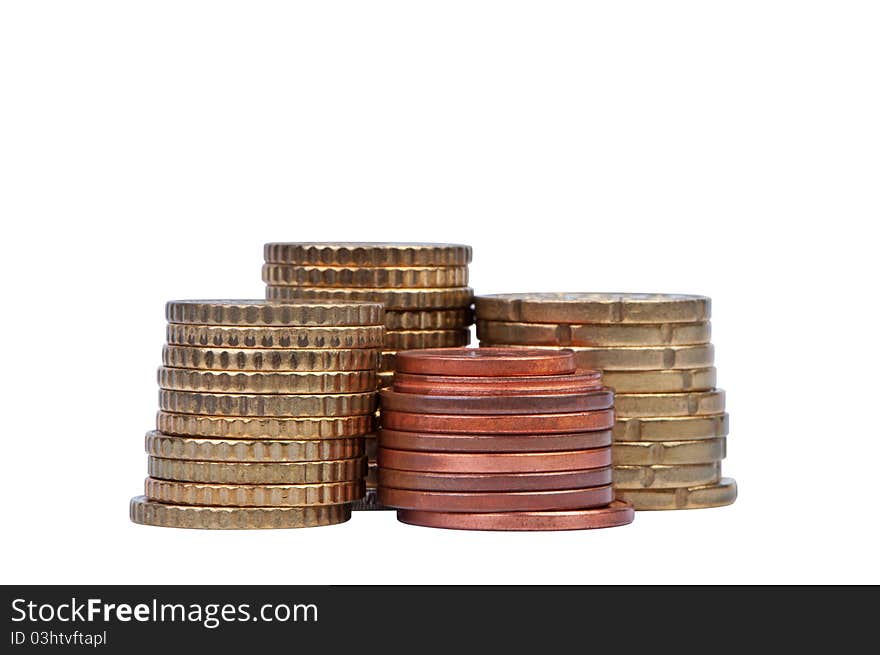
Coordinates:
(699,451)
(694,379)
(383,278)
(368,254)
(265,359)
(593,308)
(183,379)
(225,427)
(147,512)
(253,495)
(660,476)
(266,312)
(184,470)
(395,299)
(602,335)
(209,336)
(646,405)
(413,339)
(712,495)
(169,446)
(270,405)
(436,319)
(627,358)
(682,428)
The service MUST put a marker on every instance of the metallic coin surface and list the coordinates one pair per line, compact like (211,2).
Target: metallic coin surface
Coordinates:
(646,405)
(368,254)
(496,501)
(541,481)
(264,312)
(593,308)
(183,470)
(699,451)
(369,277)
(674,381)
(225,427)
(265,359)
(634,334)
(148,512)
(410,339)
(500,424)
(662,476)
(485,362)
(712,495)
(564,460)
(251,450)
(395,299)
(218,336)
(369,503)
(672,429)
(438,319)
(493,443)
(627,358)
(295,382)
(384,380)
(253,495)
(579,382)
(388,360)
(502,404)
(274,405)
(615,514)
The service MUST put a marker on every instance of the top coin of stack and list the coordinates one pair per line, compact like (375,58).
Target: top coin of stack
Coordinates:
(655,352)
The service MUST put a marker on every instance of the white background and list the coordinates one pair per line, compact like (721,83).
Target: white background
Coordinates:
(147,150)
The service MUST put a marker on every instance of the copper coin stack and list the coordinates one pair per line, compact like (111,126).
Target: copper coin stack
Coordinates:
(263,411)
(655,352)
(498,439)
(423,287)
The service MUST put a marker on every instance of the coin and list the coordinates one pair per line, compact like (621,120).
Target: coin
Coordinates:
(672,429)
(593,308)
(265,312)
(251,450)
(638,359)
(182,379)
(496,501)
(543,481)
(615,514)
(369,277)
(384,380)
(493,443)
(214,336)
(369,503)
(549,334)
(485,362)
(579,382)
(645,405)
(412,339)
(699,451)
(674,381)
(712,495)
(183,470)
(372,478)
(501,404)
(437,319)
(147,512)
(565,460)
(371,444)
(261,359)
(253,495)
(368,254)
(503,424)
(666,477)
(224,427)
(395,299)
(267,405)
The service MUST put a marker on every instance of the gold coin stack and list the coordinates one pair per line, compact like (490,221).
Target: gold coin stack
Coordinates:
(654,350)
(263,408)
(423,287)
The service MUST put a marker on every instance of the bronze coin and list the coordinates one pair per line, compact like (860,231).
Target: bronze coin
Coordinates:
(617,513)
(562,460)
(440,385)
(491,443)
(506,404)
(485,361)
(501,424)
(496,501)
(545,481)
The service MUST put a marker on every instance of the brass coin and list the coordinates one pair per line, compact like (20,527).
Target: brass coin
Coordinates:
(225,427)
(168,446)
(682,428)
(645,405)
(214,336)
(381,278)
(395,299)
(682,380)
(418,339)
(712,495)
(272,405)
(436,319)
(593,308)
(699,451)
(183,470)
(597,334)
(626,358)
(661,476)
(253,495)
(263,359)
(147,512)
(368,254)
(265,312)
(183,379)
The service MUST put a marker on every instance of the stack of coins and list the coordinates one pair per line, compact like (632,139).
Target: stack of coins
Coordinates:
(654,350)
(263,411)
(423,287)
(495,439)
